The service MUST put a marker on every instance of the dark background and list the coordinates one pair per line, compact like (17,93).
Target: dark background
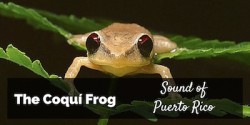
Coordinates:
(211,19)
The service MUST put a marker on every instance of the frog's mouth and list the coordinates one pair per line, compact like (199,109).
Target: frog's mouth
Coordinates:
(120,63)
(119,71)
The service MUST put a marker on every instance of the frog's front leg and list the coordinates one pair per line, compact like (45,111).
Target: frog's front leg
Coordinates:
(74,69)
(165,74)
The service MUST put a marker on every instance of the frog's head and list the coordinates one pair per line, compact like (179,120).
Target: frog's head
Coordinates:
(120,45)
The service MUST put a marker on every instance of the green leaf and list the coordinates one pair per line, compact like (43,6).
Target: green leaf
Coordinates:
(31,16)
(190,47)
(73,23)
(38,68)
(246,111)
(148,115)
(227,106)
(223,107)
(193,47)
(124,107)
(198,43)
(3,54)
(103,121)
(37,20)
(20,58)
(227,49)
(14,55)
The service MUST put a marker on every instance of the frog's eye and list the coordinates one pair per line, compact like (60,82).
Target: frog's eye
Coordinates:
(93,43)
(145,45)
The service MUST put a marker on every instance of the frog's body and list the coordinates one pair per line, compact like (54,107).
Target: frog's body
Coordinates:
(121,49)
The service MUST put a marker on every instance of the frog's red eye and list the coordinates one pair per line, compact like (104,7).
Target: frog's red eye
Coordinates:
(145,45)
(93,43)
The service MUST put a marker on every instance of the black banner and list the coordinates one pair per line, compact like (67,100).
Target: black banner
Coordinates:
(201,98)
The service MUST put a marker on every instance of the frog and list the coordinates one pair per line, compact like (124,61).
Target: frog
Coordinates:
(121,49)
